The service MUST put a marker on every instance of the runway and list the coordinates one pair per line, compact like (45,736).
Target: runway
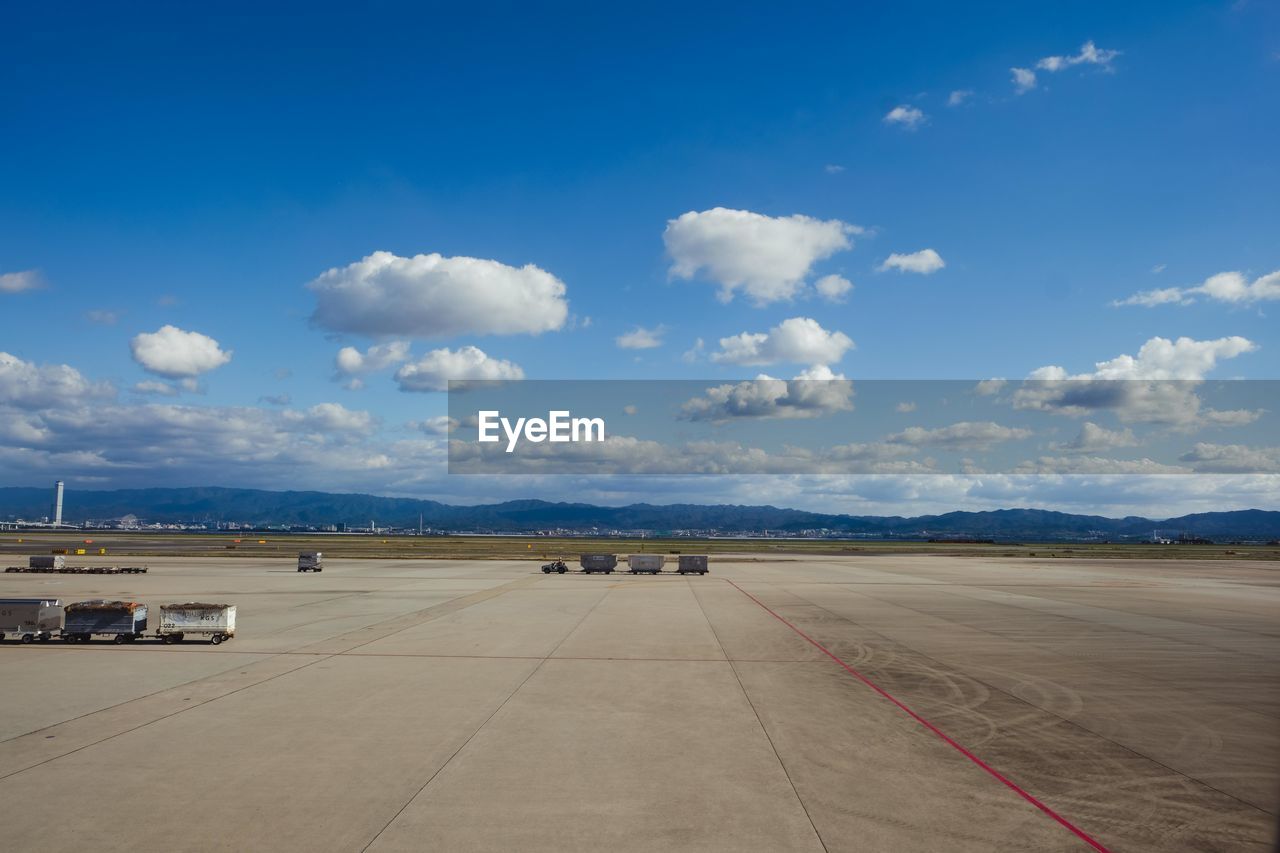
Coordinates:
(888,703)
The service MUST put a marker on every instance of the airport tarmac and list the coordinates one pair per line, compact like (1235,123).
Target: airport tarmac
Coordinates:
(889,703)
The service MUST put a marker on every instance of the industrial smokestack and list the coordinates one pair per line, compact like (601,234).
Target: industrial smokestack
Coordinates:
(57,504)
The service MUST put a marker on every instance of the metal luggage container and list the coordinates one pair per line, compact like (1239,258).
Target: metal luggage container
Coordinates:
(645,563)
(30,619)
(311,561)
(52,562)
(605,563)
(216,622)
(692,564)
(126,621)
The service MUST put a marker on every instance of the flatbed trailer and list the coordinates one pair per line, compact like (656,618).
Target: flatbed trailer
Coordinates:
(79,570)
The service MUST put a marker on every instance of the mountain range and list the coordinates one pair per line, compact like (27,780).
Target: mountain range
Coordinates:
(256,506)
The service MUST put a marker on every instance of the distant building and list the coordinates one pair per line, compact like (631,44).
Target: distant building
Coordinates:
(57,504)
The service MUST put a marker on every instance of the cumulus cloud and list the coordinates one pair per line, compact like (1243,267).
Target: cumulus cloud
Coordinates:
(925,261)
(1024,80)
(1095,465)
(833,288)
(1089,55)
(1230,287)
(958,97)
(990,387)
(641,338)
(906,116)
(766,257)
(1095,439)
(433,371)
(437,425)
(799,340)
(1161,358)
(1156,386)
(431,296)
(351,362)
(905,407)
(966,435)
(1232,459)
(174,353)
(18,282)
(813,394)
(26,385)
(693,353)
(333,417)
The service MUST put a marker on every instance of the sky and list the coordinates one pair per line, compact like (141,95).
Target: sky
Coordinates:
(250,249)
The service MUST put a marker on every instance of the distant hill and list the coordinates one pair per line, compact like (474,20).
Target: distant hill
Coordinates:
(256,506)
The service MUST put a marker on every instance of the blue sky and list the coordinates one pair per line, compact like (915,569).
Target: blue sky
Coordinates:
(163,169)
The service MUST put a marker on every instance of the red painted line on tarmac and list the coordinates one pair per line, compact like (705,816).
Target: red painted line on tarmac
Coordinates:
(994,773)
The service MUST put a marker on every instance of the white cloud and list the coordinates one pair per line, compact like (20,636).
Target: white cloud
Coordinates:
(629,409)
(17,282)
(1232,459)
(26,385)
(905,407)
(1046,465)
(1159,384)
(812,394)
(333,417)
(430,296)
(925,261)
(833,169)
(175,353)
(958,97)
(641,338)
(693,353)
(833,288)
(351,362)
(766,257)
(1161,358)
(905,115)
(1095,439)
(276,399)
(966,435)
(156,388)
(1159,296)
(989,387)
(1024,80)
(798,340)
(1089,55)
(1230,287)
(433,371)
(102,317)
(436,425)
